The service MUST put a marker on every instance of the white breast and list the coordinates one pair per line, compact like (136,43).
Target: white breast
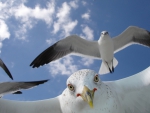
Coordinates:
(106,48)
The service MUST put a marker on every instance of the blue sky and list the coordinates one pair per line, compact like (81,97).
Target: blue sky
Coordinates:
(29,27)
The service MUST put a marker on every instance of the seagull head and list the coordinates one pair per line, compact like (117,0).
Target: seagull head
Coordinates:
(104,33)
(82,86)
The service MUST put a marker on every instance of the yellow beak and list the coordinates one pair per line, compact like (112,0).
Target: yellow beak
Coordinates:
(88,96)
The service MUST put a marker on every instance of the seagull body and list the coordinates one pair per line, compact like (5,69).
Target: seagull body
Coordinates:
(86,93)
(102,49)
(15,87)
(3,66)
(106,48)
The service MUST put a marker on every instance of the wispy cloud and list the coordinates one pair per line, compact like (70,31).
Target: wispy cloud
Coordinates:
(50,41)
(64,21)
(25,13)
(64,66)
(88,32)
(26,17)
(74,4)
(4,32)
(84,3)
(87,61)
(86,15)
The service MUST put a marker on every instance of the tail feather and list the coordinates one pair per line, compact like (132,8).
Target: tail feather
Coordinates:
(104,69)
(115,62)
(108,67)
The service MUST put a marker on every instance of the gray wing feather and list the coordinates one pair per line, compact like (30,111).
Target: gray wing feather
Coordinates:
(43,106)
(132,35)
(71,44)
(12,87)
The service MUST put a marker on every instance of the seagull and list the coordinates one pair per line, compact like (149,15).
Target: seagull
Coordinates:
(86,93)
(15,87)
(3,66)
(103,49)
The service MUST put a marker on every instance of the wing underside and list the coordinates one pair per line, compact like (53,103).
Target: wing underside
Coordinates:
(133,92)
(42,106)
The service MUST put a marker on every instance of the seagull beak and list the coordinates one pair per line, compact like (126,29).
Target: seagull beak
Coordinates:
(105,33)
(88,96)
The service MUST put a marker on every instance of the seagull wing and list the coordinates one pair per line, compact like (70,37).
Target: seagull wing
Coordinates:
(132,35)
(43,106)
(71,44)
(5,69)
(14,87)
(133,92)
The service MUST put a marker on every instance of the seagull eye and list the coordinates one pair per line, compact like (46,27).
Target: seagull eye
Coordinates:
(71,87)
(96,78)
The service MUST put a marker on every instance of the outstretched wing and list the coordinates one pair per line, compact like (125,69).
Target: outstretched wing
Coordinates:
(5,69)
(71,44)
(134,92)
(42,106)
(132,35)
(14,87)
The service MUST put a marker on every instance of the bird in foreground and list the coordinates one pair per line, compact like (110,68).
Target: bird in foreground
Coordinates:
(103,49)
(86,93)
(3,66)
(15,87)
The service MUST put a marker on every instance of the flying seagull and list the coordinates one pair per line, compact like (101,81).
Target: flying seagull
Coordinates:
(86,93)
(3,66)
(103,49)
(15,87)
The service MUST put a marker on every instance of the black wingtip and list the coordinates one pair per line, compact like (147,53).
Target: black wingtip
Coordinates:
(4,67)
(33,65)
(43,57)
(11,77)
(18,92)
(39,82)
(9,74)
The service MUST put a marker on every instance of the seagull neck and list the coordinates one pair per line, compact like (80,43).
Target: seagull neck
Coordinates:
(102,38)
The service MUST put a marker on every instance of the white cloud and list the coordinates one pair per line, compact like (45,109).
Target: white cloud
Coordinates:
(27,17)
(84,3)
(7,7)
(86,15)
(69,27)
(25,13)
(74,4)
(64,66)
(2,6)
(64,21)
(87,61)
(50,41)
(4,32)
(21,32)
(88,32)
